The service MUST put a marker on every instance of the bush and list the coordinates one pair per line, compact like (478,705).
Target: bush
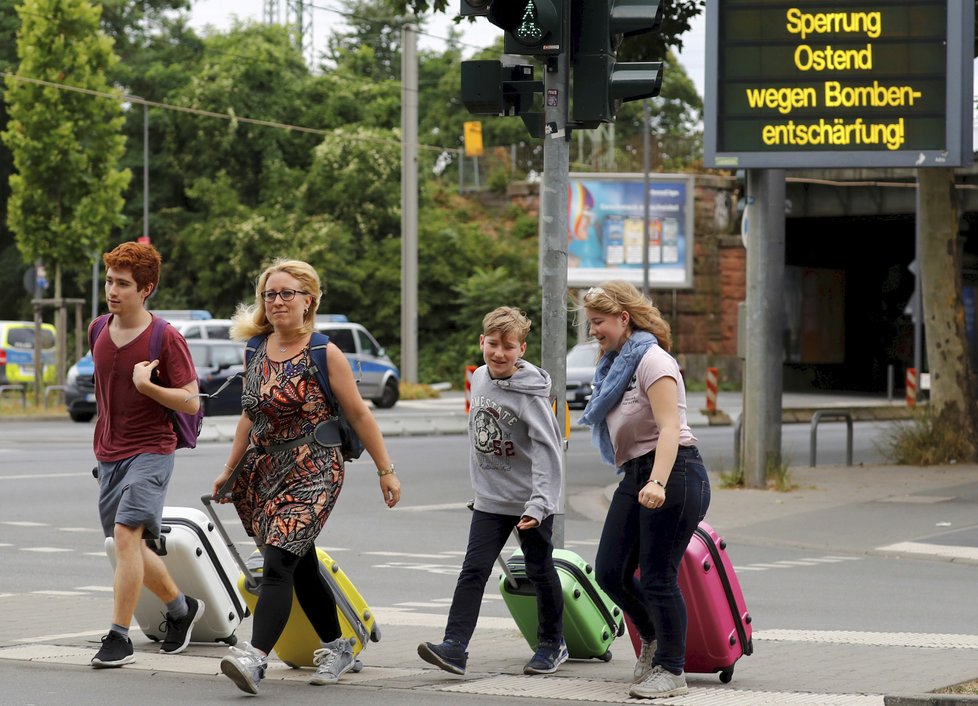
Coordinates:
(924,440)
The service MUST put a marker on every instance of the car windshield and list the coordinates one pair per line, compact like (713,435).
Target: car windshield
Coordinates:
(23,337)
(582,357)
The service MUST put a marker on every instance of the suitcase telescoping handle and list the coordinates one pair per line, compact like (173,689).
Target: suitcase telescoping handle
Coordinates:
(251,582)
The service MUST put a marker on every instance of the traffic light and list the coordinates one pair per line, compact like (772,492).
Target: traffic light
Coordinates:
(533,27)
(489,88)
(600,82)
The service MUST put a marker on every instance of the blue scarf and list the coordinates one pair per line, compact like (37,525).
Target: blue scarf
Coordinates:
(611,378)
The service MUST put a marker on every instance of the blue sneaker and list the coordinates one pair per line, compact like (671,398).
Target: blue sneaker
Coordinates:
(449,655)
(547,658)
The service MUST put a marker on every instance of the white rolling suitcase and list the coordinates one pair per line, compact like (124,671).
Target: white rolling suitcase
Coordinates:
(197,556)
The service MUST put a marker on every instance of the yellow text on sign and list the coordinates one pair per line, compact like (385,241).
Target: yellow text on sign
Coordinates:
(473,138)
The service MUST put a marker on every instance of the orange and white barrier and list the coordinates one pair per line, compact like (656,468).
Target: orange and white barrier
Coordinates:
(911,387)
(712,375)
(469,369)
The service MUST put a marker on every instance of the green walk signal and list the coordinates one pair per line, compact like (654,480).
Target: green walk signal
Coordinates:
(600,82)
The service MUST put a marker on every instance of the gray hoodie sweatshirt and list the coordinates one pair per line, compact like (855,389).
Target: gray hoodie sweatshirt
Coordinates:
(516,455)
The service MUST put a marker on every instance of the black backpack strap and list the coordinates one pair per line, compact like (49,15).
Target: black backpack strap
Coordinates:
(252,346)
(317,352)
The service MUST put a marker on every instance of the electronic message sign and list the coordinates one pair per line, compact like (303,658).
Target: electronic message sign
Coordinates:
(847,83)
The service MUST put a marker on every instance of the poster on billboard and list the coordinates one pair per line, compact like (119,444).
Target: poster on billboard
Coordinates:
(606,227)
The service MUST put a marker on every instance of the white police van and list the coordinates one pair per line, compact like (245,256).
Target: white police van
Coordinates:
(377,376)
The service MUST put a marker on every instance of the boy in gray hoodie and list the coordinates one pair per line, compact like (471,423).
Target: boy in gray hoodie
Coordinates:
(515,465)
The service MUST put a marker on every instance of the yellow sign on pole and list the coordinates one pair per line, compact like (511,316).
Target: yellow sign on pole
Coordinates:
(473,138)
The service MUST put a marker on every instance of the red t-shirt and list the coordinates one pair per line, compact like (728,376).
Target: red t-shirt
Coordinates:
(128,422)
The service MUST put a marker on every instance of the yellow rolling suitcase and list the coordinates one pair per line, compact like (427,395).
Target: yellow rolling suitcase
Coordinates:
(299,640)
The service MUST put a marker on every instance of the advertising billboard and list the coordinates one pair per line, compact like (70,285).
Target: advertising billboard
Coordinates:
(811,84)
(606,228)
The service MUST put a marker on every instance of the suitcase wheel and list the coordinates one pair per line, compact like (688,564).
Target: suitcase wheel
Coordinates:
(375,633)
(726,675)
(231,640)
(154,638)
(606,657)
(357,666)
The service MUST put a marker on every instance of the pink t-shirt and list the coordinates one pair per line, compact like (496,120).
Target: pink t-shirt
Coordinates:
(631,425)
(128,422)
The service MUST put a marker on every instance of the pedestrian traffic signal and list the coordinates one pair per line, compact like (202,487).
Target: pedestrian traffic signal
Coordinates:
(600,82)
(489,88)
(533,27)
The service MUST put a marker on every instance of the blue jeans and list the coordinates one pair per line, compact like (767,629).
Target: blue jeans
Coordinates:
(487,537)
(653,540)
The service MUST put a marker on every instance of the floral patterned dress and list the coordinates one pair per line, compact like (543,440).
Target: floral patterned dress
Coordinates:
(285,498)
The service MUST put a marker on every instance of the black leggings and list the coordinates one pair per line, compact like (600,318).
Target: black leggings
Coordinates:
(282,572)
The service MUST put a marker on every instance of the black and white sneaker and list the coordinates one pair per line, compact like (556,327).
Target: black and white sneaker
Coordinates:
(178,631)
(116,651)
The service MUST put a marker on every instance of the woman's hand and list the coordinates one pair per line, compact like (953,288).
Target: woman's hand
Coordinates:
(219,484)
(390,486)
(652,495)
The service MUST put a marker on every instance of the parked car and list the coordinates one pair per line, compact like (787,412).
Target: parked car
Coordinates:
(216,362)
(378,377)
(581,361)
(17,353)
(210,329)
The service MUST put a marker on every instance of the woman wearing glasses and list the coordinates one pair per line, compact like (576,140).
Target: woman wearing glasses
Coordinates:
(285,495)
(638,418)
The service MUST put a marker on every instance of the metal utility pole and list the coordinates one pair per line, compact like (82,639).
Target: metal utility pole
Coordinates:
(553,244)
(646,159)
(763,378)
(409,204)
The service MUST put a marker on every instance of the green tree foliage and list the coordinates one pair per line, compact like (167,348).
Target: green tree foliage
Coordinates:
(66,192)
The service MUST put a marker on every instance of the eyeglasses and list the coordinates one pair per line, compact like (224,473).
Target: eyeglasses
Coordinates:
(593,292)
(286,294)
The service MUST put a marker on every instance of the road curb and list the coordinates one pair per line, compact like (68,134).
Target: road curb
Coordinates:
(928,699)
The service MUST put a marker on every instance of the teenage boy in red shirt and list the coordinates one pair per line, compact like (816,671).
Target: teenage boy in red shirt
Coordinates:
(134,445)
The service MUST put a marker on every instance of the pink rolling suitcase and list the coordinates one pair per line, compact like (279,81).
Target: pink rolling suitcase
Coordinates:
(719,627)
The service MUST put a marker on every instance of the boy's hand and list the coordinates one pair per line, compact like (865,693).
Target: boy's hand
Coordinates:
(526,522)
(142,374)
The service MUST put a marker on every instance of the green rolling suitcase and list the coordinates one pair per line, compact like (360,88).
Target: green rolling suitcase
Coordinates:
(591,620)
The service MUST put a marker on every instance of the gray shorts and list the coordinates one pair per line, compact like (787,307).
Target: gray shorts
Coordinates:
(132,492)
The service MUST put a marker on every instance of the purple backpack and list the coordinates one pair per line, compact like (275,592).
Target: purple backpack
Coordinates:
(186,426)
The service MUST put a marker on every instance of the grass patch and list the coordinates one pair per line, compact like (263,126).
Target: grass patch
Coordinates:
(414,391)
(777,477)
(11,406)
(925,440)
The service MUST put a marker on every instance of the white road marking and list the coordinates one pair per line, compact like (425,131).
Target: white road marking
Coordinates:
(36,476)
(105,589)
(24,523)
(431,508)
(78,529)
(45,550)
(58,593)
(948,552)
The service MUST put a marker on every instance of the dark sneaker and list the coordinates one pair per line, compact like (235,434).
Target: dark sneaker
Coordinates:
(449,655)
(116,651)
(332,660)
(659,684)
(547,658)
(178,631)
(245,666)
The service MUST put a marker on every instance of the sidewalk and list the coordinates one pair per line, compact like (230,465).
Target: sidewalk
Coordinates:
(787,667)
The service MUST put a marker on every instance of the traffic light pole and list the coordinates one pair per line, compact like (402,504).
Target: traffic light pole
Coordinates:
(553,246)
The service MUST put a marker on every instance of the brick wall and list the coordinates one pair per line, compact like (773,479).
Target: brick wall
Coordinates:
(704,318)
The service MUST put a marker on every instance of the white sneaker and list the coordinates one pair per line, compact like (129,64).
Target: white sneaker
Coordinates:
(332,660)
(644,664)
(659,684)
(245,666)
